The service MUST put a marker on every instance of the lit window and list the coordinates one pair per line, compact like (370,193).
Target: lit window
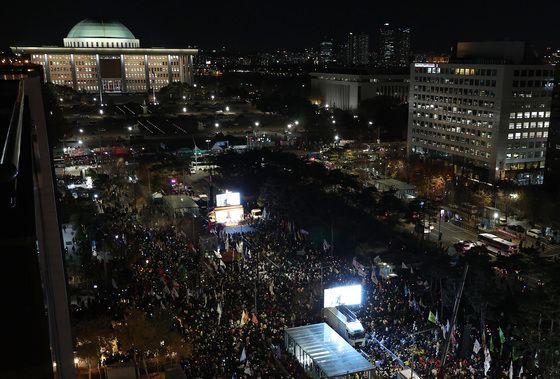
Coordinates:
(547,114)
(517,135)
(510,136)
(527,114)
(519,115)
(546,123)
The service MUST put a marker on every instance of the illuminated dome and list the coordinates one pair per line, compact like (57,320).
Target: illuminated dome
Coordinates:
(100,33)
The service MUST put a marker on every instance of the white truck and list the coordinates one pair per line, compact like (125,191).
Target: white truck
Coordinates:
(345,323)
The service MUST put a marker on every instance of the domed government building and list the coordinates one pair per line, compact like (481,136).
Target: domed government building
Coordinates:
(104,56)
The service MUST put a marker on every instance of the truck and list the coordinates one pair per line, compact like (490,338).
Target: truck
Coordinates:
(345,323)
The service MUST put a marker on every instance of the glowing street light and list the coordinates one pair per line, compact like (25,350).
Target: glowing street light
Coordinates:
(334,121)
(370,122)
(257,123)
(296,122)
(496,215)
(95,99)
(101,111)
(290,126)
(184,109)
(130,128)
(217,125)
(184,97)
(61,99)
(212,97)
(336,137)
(80,142)
(81,130)
(227,109)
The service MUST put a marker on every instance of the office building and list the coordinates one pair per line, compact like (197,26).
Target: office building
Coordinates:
(326,53)
(357,49)
(346,89)
(394,46)
(487,110)
(105,56)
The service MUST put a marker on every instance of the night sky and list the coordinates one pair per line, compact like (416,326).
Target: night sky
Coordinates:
(251,25)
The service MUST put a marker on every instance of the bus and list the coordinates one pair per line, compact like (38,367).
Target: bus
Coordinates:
(345,323)
(498,245)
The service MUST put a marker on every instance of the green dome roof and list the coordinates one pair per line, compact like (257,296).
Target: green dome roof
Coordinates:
(94,28)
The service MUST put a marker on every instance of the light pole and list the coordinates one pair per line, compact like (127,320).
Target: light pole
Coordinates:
(207,144)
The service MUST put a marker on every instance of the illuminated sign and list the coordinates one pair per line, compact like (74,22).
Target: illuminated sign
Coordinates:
(425,65)
(227,199)
(347,295)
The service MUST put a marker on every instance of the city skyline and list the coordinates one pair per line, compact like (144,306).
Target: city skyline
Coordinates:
(250,27)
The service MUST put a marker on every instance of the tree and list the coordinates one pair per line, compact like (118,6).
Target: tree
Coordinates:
(91,337)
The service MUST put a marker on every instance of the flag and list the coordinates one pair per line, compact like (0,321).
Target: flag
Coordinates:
(243,354)
(447,326)
(520,372)
(326,246)
(254,319)
(502,336)
(491,344)
(403,266)
(114,284)
(411,270)
(487,360)
(476,347)
(374,278)
(510,373)
(219,309)
(243,315)
(432,318)
(536,360)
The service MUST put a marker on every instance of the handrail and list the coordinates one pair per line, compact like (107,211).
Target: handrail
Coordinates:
(9,160)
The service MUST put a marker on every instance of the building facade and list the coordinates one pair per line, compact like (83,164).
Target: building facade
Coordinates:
(394,46)
(326,53)
(346,90)
(357,49)
(104,56)
(491,120)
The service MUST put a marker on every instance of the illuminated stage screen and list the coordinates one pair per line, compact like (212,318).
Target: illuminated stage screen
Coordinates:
(347,295)
(227,199)
(230,215)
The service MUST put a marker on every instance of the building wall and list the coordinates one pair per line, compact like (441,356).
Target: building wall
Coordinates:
(468,113)
(138,71)
(135,73)
(347,91)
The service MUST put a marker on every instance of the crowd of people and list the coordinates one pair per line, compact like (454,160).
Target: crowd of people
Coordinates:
(234,303)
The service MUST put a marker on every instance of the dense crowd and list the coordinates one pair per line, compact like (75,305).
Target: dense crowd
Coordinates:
(233,304)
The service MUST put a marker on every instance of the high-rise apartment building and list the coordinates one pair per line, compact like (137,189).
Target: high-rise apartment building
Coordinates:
(394,46)
(487,110)
(357,49)
(326,53)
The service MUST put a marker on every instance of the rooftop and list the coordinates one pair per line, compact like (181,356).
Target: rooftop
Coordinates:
(328,350)
(98,28)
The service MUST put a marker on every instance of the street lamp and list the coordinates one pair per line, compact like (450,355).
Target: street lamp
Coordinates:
(370,122)
(257,123)
(227,109)
(212,97)
(81,130)
(336,138)
(289,126)
(217,125)
(80,142)
(296,122)
(184,109)
(207,144)
(130,128)
(101,111)
(334,121)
